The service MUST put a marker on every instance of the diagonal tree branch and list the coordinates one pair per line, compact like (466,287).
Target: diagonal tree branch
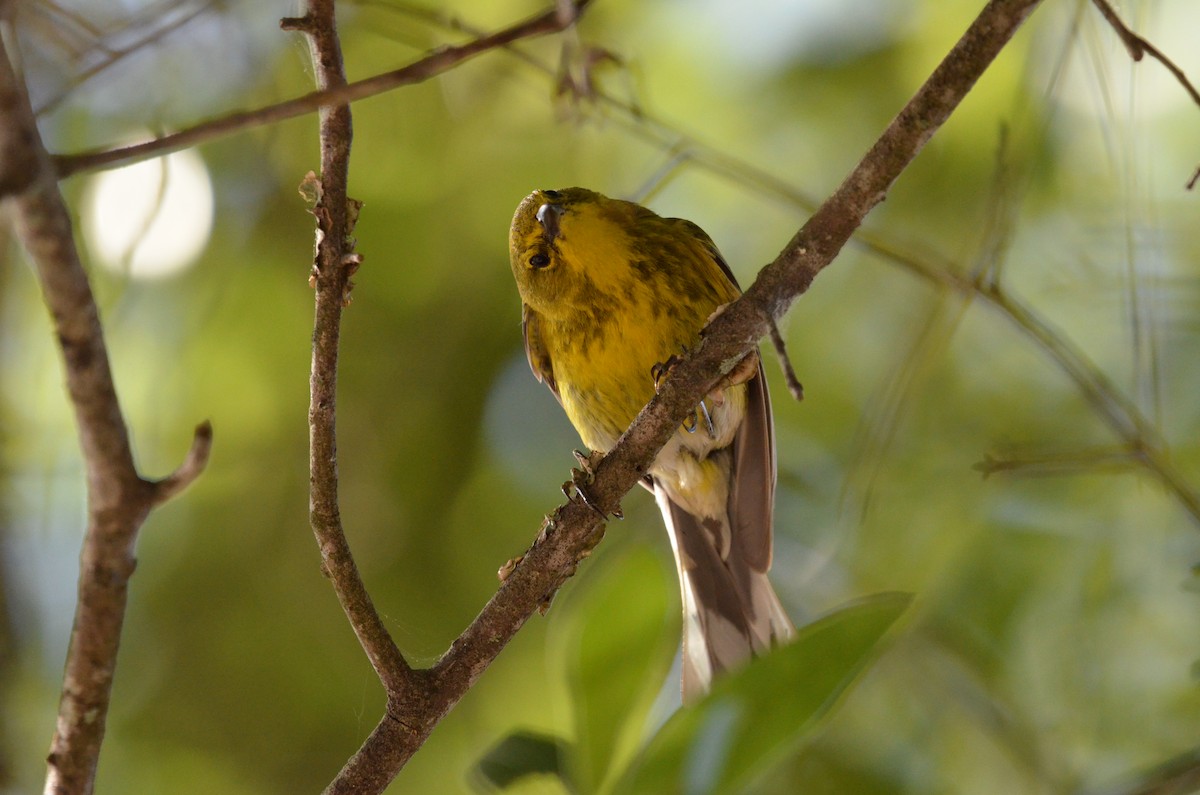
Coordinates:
(813,247)
(1117,411)
(114,56)
(432,65)
(118,499)
(575,528)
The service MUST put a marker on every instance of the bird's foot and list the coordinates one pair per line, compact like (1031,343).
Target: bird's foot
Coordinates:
(582,478)
(660,371)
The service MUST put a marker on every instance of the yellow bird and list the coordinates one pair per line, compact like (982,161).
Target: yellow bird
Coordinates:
(611,293)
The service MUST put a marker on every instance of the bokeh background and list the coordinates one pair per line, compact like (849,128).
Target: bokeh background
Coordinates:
(1024,305)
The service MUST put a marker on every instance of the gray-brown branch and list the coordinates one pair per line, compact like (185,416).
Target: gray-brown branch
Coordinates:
(118,499)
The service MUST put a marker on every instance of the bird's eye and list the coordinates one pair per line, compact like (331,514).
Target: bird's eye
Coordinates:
(539,261)
(551,194)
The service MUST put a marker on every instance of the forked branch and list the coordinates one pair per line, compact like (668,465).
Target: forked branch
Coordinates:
(424,697)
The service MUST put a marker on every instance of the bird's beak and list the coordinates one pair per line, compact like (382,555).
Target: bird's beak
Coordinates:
(548,215)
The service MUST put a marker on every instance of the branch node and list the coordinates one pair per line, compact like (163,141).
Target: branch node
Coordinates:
(302,24)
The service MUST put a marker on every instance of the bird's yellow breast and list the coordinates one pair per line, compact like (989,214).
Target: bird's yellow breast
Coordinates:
(605,375)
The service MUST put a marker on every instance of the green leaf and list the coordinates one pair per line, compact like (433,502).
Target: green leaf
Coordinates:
(618,653)
(519,755)
(757,716)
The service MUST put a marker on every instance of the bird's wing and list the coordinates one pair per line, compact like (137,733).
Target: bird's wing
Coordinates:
(535,350)
(752,492)
(709,246)
(752,480)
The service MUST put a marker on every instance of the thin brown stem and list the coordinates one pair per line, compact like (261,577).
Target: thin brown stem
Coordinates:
(1139,48)
(374,765)
(430,66)
(114,56)
(335,260)
(795,388)
(191,468)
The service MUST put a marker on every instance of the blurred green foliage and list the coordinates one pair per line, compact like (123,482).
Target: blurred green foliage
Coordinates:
(1051,641)
(723,743)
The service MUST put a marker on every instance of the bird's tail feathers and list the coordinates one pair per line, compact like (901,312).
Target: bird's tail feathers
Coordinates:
(730,610)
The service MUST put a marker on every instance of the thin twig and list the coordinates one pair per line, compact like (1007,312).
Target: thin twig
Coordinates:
(785,363)
(118,499)
(191,468)
(117,55)
(430,66)
(335,260)
(1092,459)
(1119,412)
(1138,48)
